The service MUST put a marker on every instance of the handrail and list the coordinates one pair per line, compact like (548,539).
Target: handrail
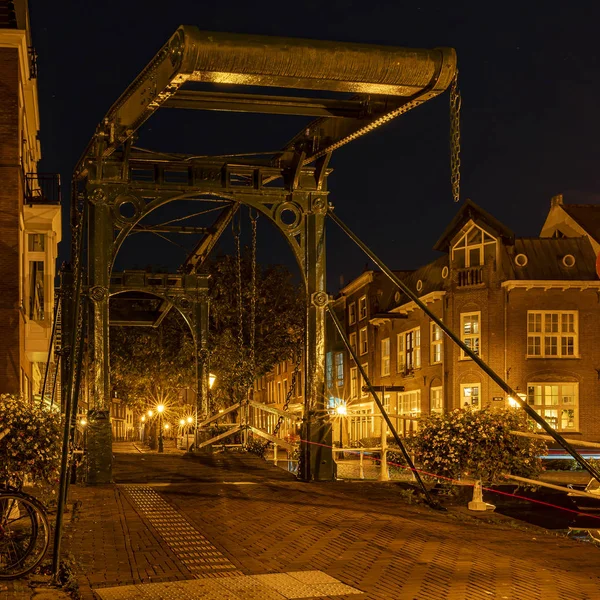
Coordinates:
(4,433)
(275,411)
(548,438)
(219,415)
(271,438)
(560,488)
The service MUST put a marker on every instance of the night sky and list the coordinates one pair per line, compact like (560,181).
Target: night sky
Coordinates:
(529,77)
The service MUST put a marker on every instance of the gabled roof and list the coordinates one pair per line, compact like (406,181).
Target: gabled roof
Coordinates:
(587,215)
(471,211)
(545,259)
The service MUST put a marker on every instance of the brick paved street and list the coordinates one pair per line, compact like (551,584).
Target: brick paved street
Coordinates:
(247,519)
(231,526)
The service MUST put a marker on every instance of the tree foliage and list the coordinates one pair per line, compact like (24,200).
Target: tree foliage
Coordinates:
(279,326)
(150,365)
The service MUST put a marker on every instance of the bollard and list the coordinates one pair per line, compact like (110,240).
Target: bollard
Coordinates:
(361,466)
(383,472)
(477,503)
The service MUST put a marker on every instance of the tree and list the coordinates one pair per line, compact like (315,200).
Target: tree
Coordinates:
(150,365)
(279,327)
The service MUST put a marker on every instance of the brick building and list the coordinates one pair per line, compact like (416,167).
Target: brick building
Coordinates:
(29,214)
(530,307)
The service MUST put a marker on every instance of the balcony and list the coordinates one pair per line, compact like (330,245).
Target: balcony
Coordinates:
(470,277)
(42,188)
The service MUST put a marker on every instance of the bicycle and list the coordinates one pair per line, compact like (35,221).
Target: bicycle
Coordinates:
(24,531)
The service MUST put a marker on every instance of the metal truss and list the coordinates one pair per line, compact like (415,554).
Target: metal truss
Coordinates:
(359,87)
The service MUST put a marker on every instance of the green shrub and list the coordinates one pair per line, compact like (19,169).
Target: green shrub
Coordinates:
(33,442)
(477,445)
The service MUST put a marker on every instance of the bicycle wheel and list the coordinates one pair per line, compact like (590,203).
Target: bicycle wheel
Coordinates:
(24,534)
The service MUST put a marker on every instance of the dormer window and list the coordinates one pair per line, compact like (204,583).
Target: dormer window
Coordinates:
(470,249)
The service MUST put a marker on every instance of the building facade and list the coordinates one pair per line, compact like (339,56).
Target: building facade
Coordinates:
(30,227)
(528,306)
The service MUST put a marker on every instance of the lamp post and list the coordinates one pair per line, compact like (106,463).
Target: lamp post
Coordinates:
(190,420)
(160,409)
(341,411)
(142,427)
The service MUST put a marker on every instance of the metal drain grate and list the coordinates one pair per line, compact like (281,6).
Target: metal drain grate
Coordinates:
(200,557)
(277,586)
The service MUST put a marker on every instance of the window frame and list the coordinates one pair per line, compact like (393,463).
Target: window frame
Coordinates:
(362,308)
(352,313)
(363,342)
(559,407)
(470,385)
(386,359)
(470,336)
(436,344)
(462,245)
(438,409)
(352,339)
(403,351)
(542,335)
(353,382)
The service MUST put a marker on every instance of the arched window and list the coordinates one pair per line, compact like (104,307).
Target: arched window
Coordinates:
(470,249)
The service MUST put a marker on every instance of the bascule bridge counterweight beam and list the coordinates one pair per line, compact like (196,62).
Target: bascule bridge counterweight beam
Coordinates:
(382,82)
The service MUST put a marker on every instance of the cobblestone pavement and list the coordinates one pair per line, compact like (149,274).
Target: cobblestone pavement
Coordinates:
(169,518)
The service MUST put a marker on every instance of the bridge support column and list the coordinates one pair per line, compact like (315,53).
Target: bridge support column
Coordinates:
(317,458)
(99,434)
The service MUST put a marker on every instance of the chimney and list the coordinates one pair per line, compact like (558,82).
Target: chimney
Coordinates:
(556,200)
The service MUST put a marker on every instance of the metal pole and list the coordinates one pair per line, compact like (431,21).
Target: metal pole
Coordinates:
(476,359)
(384,414)
(57,300)
(161,447)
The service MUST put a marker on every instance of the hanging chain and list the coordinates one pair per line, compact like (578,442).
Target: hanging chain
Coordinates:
(238,274)
(253,221)
(290,394)
(455,105)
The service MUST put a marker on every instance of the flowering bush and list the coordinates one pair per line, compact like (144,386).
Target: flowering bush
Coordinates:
(477,444)
(33,442)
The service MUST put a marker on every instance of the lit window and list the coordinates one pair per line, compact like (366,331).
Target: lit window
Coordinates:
(471,249)
(436,400)
(470,394)
(354,382)
(363,341)
(352,313)
(552,334)
(385,357)
(470,331)
(362,308)
(557,403)
(409,405)
(436,343)
(339,369)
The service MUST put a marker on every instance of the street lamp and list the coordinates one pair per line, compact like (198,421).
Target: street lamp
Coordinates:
(211,380)
(160,409)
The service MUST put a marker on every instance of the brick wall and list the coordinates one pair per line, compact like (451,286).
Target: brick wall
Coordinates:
(10,199)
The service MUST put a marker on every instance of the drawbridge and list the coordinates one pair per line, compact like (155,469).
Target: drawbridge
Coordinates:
(345,91)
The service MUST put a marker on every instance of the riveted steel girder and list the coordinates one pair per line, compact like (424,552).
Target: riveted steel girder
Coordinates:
(385,80)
